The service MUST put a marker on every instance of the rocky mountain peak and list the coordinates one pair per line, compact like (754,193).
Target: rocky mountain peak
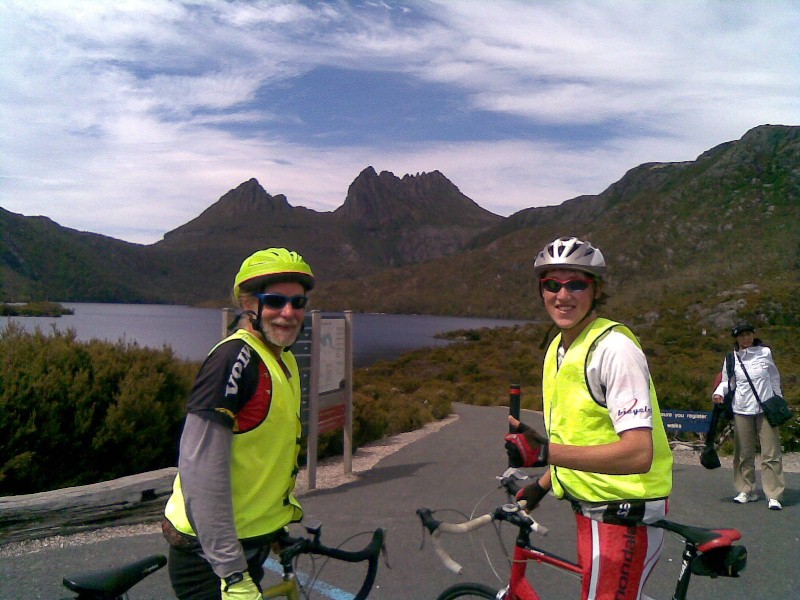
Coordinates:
(246,202)
(430,198)
(248,197)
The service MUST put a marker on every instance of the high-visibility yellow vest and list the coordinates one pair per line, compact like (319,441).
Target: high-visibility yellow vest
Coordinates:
(573,417)
(263,459)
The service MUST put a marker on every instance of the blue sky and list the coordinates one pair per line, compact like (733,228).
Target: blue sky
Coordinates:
(131,118)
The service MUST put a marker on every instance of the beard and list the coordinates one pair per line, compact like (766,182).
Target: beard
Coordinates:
(281,334)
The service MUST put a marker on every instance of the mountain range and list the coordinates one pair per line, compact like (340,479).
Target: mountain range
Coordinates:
(714,236)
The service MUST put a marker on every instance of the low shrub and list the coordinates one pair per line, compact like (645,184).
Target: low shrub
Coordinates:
(73,413)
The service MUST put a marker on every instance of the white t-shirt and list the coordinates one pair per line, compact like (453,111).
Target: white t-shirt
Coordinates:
(619,379)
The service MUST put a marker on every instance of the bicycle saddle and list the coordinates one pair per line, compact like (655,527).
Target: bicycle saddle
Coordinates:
(113,582)
(704,539)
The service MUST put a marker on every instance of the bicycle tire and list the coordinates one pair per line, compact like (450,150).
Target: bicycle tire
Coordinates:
(468,590)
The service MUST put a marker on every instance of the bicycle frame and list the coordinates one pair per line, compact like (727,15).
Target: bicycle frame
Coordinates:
(708,552)
(285,589)
(519,588)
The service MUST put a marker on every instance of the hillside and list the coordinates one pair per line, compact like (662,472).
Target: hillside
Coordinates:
(676,235)
(41,260)
(707,237)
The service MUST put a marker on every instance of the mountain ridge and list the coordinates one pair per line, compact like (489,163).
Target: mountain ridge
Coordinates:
(394,240)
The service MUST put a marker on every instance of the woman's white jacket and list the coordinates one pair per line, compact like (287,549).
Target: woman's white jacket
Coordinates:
(763,373)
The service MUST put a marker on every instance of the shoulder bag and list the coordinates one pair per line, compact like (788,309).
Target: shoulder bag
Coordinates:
(776,410)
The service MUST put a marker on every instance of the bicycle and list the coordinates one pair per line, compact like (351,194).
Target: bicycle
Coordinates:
(114,583)
(706,552)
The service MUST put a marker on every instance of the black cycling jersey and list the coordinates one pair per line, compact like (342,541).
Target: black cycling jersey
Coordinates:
(231,376)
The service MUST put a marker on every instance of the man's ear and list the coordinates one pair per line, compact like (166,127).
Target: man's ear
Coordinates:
(598,289)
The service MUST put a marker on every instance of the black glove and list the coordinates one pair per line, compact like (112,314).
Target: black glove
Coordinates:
(532,494)
(527,448)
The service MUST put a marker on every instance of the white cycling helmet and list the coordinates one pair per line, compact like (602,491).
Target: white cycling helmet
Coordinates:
(570,253)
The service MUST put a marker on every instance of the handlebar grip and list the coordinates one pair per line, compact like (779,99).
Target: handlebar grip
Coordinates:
(535,525)
(465,527)
(437,528)
(446,559)
(513,404)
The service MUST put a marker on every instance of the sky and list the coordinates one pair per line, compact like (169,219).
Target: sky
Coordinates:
(130,118)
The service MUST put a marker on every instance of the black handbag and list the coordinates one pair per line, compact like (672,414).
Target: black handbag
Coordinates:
(776,410)
(709,457)
(727,399)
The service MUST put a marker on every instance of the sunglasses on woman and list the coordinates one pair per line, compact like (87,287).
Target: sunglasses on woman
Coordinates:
(554,286)
(278,301)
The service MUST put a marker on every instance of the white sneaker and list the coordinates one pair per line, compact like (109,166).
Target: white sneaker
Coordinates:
(743,498)
(773,504)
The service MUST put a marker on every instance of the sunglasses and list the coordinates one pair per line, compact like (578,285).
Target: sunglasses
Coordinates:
(278,301)
(573,285)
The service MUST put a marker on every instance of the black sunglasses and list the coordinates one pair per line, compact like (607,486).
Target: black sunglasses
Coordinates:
(573,285)
(278,301)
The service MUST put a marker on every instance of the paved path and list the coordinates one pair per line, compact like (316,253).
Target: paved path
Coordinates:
(455,468)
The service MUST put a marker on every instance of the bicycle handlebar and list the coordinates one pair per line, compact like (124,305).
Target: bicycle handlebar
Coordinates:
(369,553)
(513,512)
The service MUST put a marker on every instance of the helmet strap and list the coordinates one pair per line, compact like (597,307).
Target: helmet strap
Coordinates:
(234,324)
(546,338)
(255,320)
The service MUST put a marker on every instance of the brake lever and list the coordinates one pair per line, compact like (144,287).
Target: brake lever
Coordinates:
(513,480)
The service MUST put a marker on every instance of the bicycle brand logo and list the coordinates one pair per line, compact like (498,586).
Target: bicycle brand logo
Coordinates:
(627,559)
(236,371)
(633,410)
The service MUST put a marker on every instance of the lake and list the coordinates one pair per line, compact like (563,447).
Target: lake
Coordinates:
(191,332)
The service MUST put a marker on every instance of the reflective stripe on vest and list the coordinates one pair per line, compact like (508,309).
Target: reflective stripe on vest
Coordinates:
(573,417)
(263,459)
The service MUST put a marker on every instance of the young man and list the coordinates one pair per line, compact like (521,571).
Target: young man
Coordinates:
(606,449)
(241,439)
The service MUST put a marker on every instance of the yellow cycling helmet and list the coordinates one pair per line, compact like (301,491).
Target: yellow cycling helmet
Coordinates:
(271,266)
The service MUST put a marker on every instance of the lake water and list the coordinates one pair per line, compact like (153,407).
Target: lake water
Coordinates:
(191,332)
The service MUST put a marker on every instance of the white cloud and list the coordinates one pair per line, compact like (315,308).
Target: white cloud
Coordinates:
(115,115)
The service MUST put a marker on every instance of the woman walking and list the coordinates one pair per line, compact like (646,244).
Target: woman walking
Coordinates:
(751,358)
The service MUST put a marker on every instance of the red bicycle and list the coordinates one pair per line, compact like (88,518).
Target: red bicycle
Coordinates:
(706,552)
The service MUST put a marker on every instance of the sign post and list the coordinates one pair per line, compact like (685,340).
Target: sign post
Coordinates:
(330,397)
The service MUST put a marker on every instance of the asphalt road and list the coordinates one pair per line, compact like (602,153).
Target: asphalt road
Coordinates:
(454,468)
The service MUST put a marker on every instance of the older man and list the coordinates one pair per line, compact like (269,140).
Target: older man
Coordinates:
(240,442)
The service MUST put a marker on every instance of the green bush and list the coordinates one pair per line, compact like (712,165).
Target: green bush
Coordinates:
(34,309)
(73,413)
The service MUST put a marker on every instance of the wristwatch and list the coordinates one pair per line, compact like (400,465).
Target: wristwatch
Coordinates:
(233,579)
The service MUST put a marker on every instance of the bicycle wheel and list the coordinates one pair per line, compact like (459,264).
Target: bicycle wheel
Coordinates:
(468,590)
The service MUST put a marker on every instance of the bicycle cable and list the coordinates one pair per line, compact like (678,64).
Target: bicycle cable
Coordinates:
(499,538)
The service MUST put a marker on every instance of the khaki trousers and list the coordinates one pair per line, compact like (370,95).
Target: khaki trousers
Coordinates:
(749,429)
